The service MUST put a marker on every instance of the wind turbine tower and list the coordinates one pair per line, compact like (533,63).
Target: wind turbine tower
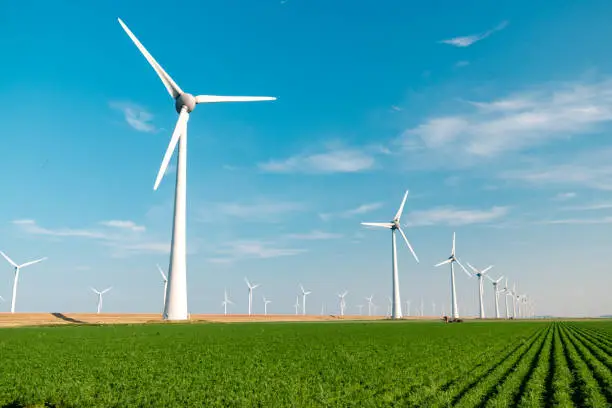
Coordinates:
(452,259)
(16,278)
(370,304)
(480,275)
(97,292)
(266,305)
(304,294)
(185,103)
(394,225)
(251,287)
(495,283)
(342,303)
(226,302)
(165,279)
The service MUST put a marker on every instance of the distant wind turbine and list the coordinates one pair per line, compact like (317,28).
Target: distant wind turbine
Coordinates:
(97,292)
(165,279)
(297,304)
(342,303)
(304,294)
(16,278)
(393,226)
(370,304)
(480,275)
(185,103)
(495,283)
(408,307)
(266,301)
(226,302)
(452,259)
(251,287)
(506,291)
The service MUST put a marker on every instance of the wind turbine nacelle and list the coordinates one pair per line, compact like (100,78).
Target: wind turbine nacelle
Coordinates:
(187,100)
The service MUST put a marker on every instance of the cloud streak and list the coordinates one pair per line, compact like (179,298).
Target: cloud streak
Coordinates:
(252,249)
(451,216)
(468,40)
(135,116)
(343,160)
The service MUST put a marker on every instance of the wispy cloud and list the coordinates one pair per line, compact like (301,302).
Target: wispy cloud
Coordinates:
(340,160)
(362,209)
(396,108)
(447,215)
(315,235)
(123,237)
(589,207)
(468,40)
(580,221)
(252,249)
(136,116)
(565,196)
(521,121)
(461,64)
(262,210)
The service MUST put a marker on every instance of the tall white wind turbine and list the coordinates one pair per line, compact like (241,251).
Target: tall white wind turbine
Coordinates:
(165,279)
(97,292)
(506,291)
(297,304)
(185,103)
(480,275)
(408,307)
(251,287)
(496,291)
(342,303)
(266,301)
(304,294)
(370,304)
(393,226)
(452,259)
(226,301)
(514,295)
(16,278)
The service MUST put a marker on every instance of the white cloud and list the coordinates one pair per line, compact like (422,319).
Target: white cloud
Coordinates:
(589,207)
(265,210)
(565,196)
(343,160)
(447,215)
(362,209)
(516,123)
(396,108)
(123,224)
(580,221)
(314,236)
(468,40)
(123,237)
(136,116)
(252,249)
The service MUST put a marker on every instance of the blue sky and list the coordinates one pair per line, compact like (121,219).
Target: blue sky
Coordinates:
(494,115)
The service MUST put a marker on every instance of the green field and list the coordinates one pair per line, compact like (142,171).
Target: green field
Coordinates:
(521,363)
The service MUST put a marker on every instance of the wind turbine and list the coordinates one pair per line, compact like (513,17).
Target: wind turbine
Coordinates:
(97,292)
(393,226)
(389,306)
(370,304)
(226,302)
(304,294)
(16,279)
(495,282)
(266,305)
(480,275)
(408,307)
(251,287)
(506,291)
(360,307)
(342,304)
(185,103)
(514,295)
(452,259)
(165,279)
(297,304)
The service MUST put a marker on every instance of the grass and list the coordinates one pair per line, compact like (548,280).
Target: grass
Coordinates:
(520,363)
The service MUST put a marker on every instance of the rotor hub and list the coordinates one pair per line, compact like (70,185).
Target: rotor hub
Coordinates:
(186,100)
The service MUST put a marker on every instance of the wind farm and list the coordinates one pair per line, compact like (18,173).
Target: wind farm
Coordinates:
(367,121)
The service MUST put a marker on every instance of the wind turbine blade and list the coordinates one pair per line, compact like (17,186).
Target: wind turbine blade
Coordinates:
(1,299)
(453,250)
(487,269)
(106,290)
(171,86)
(181,125)
(443,262)
(217,98)
(499,280)
(409,246)
(377,224)
(247,282)
(464,270)
(472,268)
(95,291)
(255,286)
(9,260)
(162,273)
(32,262)
(398,215)
(302,288)
(490,278)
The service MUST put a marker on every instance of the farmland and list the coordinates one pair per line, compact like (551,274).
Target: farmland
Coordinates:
(360,364)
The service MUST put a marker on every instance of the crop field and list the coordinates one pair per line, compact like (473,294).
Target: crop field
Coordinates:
(318,364)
